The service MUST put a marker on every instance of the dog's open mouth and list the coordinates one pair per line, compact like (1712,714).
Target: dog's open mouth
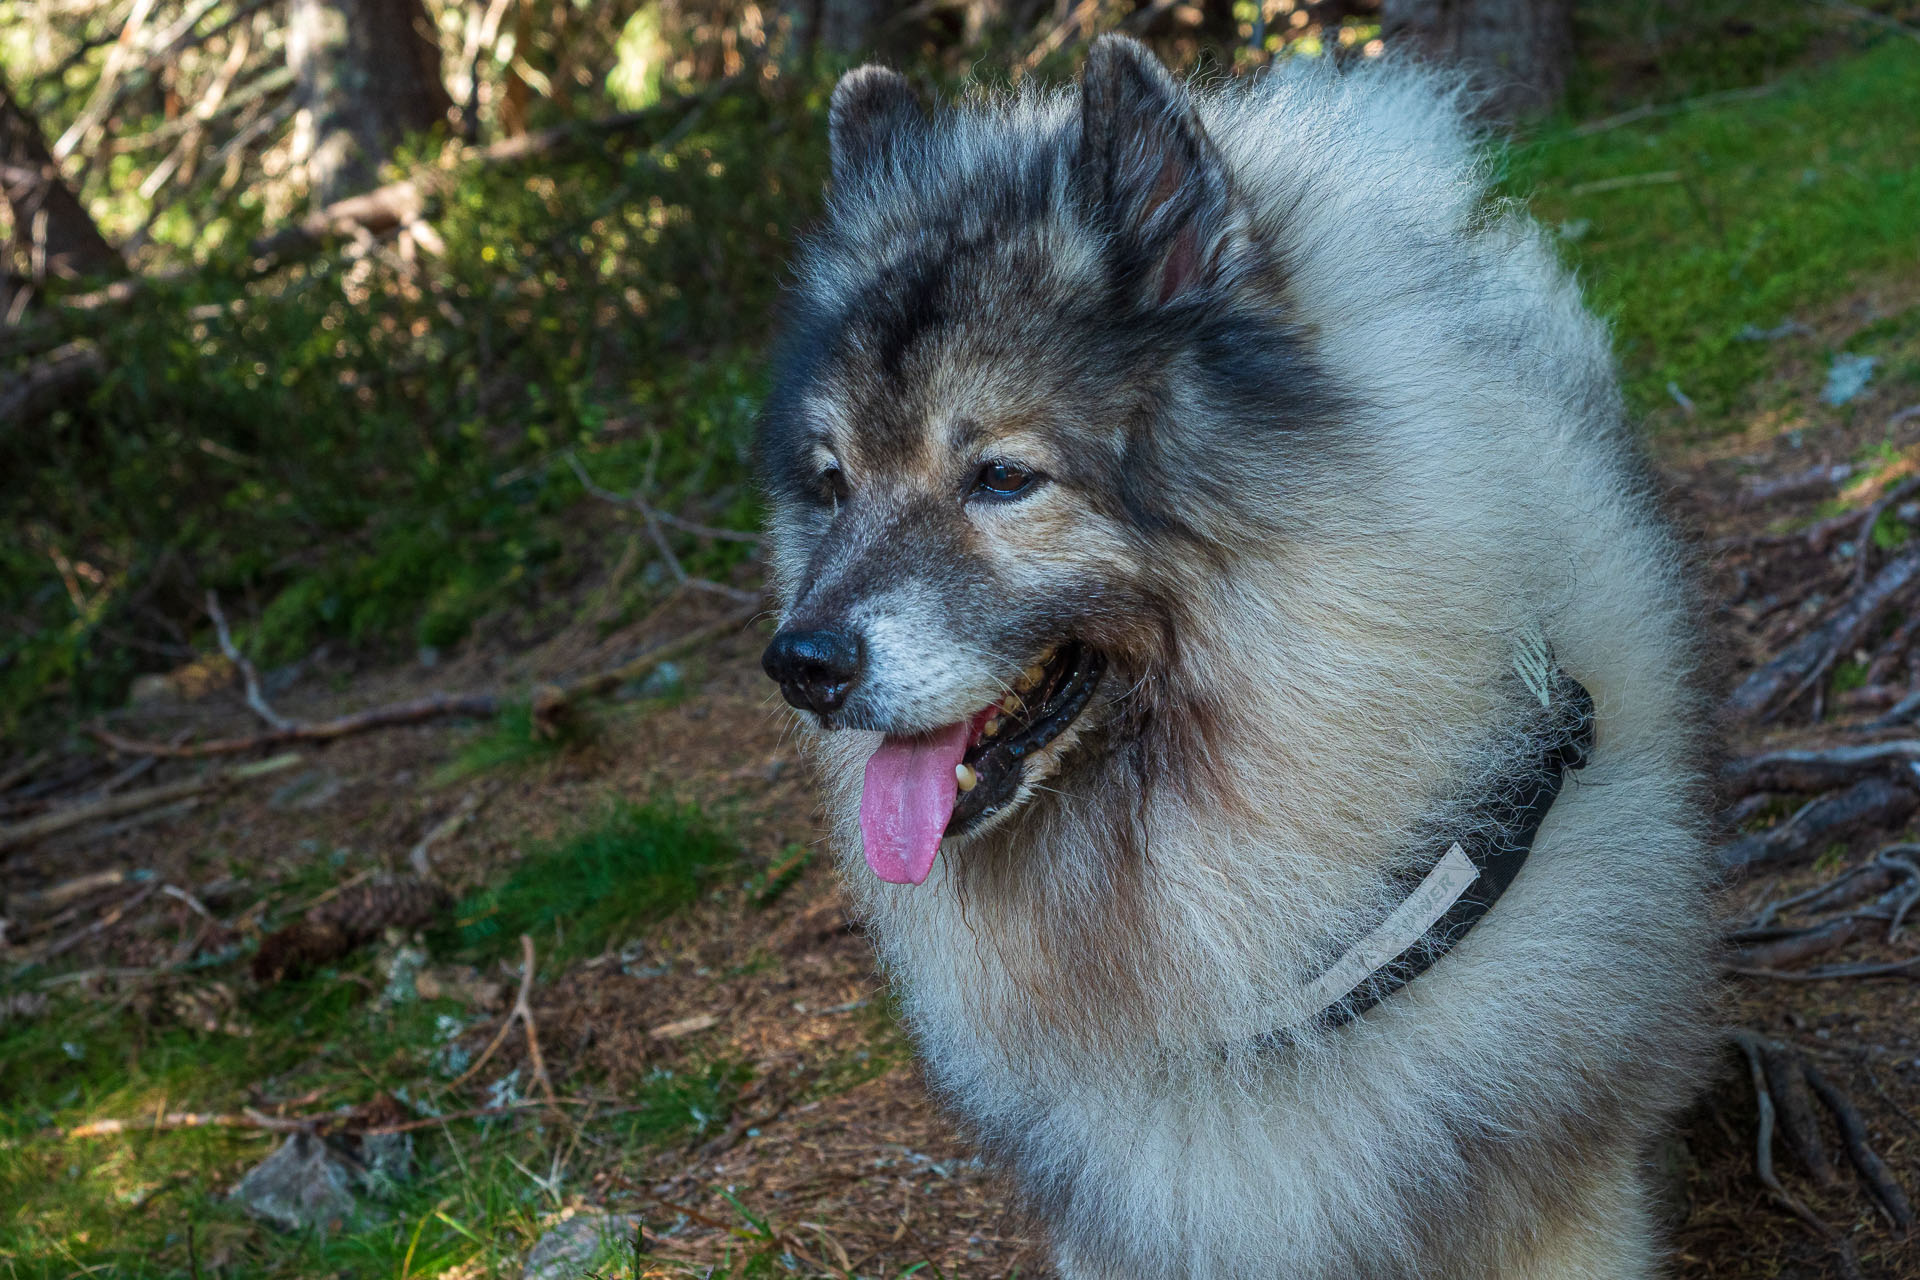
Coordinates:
(920,789)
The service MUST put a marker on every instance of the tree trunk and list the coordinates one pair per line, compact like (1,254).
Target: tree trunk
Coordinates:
(367,73)
(838,26)
(50,225)
(1517,50)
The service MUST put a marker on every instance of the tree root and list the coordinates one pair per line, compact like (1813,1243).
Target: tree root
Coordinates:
(1871,802)
(1756,1051)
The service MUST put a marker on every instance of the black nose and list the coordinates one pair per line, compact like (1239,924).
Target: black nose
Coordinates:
(816,669)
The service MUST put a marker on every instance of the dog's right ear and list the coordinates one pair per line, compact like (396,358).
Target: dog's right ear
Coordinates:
(872,113)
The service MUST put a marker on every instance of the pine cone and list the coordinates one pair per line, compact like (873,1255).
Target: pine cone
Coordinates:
(298,949)
(366,911)
(334,928)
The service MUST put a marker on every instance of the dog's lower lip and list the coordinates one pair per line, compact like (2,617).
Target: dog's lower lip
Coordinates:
(1056,690)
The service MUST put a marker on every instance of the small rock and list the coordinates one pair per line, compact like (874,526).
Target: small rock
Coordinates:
(386,1162)
(663,680)
(150,688)
(302,1184)
(1847,378)
(583,1244)
(403,968)
(459,982)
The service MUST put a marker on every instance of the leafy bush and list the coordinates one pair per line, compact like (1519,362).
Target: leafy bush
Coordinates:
(372,449)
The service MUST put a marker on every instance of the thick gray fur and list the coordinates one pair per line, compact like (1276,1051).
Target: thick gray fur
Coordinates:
(1326,431)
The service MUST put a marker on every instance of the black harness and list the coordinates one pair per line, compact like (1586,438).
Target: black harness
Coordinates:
(1497,851)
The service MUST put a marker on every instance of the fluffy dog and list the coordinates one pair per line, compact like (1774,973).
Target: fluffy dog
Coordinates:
(1194,510)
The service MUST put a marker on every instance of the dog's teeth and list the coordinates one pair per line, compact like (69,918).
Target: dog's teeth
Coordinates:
(1012,705)
(1032,676)
(992,726)
(965,777)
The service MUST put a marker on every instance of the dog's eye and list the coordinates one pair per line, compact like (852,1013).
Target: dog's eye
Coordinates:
(1003,479)
(831,485)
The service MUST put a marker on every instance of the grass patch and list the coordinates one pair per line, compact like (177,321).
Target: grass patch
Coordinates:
(1731,216)
(576,895)
(124,1205)
(508,741)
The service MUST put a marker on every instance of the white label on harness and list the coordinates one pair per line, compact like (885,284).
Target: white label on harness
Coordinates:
(1408,923)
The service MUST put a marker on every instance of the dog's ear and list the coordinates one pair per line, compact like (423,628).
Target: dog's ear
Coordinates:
(1149,175)
(873,112)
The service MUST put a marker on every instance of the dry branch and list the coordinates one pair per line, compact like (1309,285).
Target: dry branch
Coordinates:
(19,773)
(255,699)
(413,711)
(59,948)
(637,503)
(1909,968)
(54,381)
(187,1120)
(133,801)
(522,1012)
(552,703)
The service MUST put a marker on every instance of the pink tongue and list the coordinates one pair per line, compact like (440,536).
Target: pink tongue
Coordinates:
(908,799)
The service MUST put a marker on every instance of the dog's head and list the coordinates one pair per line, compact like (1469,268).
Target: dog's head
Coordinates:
(1037,388)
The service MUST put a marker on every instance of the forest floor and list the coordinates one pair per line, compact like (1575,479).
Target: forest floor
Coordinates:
(722,1059)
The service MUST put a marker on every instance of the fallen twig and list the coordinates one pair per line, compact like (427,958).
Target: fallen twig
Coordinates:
(1908,968)
(413,711)
(654,520)
(1877,19)
(1639,113)
(24,770)
(255,699)
(132,801)
(444,829)
(115,916)
(637,503)
(188,1120)
(522,1012)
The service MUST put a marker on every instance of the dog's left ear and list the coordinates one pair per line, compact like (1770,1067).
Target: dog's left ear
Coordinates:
(1149,175)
